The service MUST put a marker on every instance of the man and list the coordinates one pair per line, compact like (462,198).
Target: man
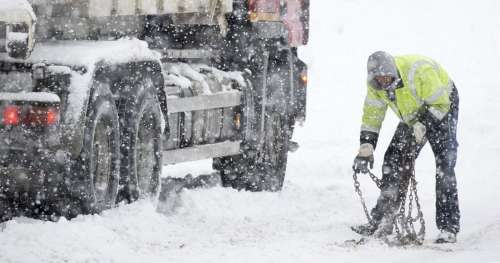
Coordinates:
(425,99)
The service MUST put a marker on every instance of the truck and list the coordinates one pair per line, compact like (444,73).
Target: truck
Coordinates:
(96,96)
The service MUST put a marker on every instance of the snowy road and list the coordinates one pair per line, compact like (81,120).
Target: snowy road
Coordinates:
(308,221)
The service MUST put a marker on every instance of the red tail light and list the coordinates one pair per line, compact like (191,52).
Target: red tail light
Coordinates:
(45,116)
(14,115)
(11,115)
(52,116)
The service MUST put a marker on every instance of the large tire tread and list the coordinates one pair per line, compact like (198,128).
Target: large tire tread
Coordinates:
(264,169)
(102,112)
(133,107)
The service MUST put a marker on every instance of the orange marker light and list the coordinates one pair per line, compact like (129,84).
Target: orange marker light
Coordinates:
(254,16)
(304,78)
(237,121)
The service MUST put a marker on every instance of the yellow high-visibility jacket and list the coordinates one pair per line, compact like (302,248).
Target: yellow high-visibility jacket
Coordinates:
(423,82)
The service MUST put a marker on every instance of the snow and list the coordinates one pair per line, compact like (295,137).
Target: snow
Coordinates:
(308,221)
(91,52)
(185,75)
(191,73)
(15,36)
(16,81)
(58,69)
(181,74)
(9,5)
(78,91)
(88,53)
(30,96)
(14,11)
(224,76)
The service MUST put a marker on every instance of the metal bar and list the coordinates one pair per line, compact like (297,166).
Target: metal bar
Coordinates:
(169,54)
(204,102)
(201,152)
(264,102)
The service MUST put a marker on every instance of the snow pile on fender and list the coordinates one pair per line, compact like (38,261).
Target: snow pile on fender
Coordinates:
(15,11)
(88,53)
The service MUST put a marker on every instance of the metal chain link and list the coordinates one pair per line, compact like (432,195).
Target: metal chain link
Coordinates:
(406,221)
(420,215)
(403,222)
(375,179)
(360,194)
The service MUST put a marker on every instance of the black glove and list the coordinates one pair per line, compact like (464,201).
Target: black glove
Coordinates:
(363,159)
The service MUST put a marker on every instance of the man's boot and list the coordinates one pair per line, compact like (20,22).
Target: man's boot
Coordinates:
(446,237)
(385,227)
(377,231)
(365,230)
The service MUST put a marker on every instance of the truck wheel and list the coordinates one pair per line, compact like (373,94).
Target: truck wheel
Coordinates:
(275,153)
(100,156)
(5,210)
(263,169)
(141,162)
(272,160)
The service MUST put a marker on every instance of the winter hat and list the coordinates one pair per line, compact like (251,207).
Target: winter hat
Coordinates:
(382,63)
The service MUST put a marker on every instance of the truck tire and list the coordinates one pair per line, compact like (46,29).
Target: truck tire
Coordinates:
(271,167)
(5,210)
(263,168)
(141,162)
(99,161)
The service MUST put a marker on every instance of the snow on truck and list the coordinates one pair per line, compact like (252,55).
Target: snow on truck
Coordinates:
(97,95)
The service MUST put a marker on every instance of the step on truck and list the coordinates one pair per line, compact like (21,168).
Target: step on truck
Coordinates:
(96,96)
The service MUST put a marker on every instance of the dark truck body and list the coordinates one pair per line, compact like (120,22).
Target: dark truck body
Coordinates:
(207,79)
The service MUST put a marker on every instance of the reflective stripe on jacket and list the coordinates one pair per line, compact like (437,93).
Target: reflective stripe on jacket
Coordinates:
(424,82)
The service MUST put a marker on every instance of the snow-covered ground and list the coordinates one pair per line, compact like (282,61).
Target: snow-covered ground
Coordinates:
(309,220)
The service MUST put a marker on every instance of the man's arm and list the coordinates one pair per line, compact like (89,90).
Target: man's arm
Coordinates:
(374,110)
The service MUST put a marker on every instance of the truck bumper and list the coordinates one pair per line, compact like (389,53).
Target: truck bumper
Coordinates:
(32,184)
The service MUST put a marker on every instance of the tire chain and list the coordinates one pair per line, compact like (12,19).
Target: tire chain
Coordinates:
(403,222)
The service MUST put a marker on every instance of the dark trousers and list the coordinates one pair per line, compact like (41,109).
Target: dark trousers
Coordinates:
(397,166)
